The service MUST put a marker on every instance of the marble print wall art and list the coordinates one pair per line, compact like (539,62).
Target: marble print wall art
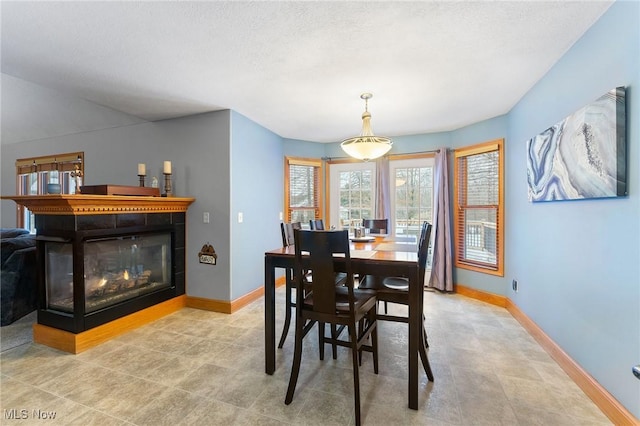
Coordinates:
(583,156)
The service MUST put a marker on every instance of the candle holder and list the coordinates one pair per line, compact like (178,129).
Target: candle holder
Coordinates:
(167,185)
(76,174)
(142,177)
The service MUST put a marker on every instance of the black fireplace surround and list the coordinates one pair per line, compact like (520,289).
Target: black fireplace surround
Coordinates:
(93,269)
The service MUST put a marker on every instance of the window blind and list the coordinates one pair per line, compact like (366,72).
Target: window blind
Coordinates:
(478,207)
(303,189)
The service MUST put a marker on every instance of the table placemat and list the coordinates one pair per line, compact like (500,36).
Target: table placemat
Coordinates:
(397,247)
(362,254)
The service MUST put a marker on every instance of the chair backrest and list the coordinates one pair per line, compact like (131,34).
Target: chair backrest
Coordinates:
(287,232)
(376,226)
(423,249)
(321,248)
(317,224)
(423,233)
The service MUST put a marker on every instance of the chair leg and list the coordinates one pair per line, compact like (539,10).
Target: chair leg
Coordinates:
(374,341)
(334,336)
(287,318)
(361,326)
(422,349)
(297,358)
(353,335)
(321,339)
(424,332)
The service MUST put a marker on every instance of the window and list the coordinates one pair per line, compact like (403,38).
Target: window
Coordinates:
(479,207)
(352,189)
(303,186)
(411,189)
(352,185)
(35,173)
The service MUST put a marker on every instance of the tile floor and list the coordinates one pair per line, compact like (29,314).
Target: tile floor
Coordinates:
(203,368)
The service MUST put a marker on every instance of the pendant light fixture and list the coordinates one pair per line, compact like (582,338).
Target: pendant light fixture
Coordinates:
(366,146)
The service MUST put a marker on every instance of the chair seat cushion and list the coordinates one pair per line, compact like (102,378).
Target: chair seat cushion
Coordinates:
(363,299)
(396,292)
(396,283)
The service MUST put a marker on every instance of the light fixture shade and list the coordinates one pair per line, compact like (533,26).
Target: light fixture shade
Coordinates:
(367,146)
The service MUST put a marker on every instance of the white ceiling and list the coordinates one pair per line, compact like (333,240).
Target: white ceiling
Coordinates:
(297,67)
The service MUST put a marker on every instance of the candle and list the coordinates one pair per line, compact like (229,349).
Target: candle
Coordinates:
(142,169)
(167,167)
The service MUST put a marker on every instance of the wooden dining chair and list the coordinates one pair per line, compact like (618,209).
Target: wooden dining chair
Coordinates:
(286,230)
(381,226)
(376,226)
(287,240)
(339,306)
(316,224)
(396,290)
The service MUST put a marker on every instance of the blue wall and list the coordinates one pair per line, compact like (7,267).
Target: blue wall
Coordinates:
(257,183)
(202,170)
(577,262)
(303,149)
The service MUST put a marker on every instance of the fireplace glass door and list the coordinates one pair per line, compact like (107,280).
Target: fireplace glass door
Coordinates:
(115,269)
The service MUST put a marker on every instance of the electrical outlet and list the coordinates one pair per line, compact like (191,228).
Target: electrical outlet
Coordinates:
(281,216)
(514,285)
(240,217)
(205,217)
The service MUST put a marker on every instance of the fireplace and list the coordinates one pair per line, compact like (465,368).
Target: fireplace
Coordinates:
(97,268)
(115,269)
(106,264)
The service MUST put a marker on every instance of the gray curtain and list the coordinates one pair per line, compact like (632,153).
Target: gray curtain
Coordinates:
(383,197)
(442,266)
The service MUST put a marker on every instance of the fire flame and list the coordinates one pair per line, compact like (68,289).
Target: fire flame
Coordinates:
(126,274)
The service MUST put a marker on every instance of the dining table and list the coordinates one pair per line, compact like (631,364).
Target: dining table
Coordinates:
(375,255)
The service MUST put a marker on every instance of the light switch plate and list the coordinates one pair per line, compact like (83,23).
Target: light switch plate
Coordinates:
(205,217)
(240,217)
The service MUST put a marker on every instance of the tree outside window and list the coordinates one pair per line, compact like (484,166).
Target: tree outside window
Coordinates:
(413,186)
(356,197)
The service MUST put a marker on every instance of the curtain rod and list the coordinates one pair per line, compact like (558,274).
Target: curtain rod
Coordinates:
(432,151)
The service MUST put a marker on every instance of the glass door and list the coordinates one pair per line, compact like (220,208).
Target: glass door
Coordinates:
(352,193)
(411,195)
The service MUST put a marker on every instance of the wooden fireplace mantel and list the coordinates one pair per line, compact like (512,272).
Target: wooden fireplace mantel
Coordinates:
(85,204)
